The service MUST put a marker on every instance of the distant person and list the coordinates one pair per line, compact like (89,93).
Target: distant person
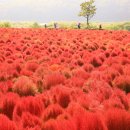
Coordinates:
(79,25)
(100,27)
(45,26)
(55,25)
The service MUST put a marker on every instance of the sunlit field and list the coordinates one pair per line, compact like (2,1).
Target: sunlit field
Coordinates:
(68,25)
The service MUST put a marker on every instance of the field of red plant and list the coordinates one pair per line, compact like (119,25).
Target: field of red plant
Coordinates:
(64,79)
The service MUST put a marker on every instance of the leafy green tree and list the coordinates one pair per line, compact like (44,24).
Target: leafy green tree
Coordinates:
(87,10)
(35,25)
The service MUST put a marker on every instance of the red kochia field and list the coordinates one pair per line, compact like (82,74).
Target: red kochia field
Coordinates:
(64,79)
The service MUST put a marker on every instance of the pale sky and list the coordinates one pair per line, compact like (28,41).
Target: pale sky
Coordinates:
(62,10)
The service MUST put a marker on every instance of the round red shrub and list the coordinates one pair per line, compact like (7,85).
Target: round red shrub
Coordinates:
(6,124)
(52,112)
(34,105)
(24,86)
(50,125)
(117,119)
(122,82)
(54,79)
(30,121)
(89,121)
(8,103)
(31,66)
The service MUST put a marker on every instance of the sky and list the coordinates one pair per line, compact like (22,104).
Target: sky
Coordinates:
(62,10)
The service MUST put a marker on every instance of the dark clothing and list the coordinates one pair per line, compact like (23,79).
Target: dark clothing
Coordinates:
(45,26)
(79,25)
(55,25)
(100,27)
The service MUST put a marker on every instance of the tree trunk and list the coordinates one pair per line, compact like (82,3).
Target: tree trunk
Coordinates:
(87,22)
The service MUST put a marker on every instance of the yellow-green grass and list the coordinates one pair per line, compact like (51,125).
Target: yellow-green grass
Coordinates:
(68,25)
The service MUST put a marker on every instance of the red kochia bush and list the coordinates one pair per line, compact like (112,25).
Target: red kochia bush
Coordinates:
(26,72)
(6,124)
(117,119)
(98,88)
(6,86)
(34,128)
(24,86)
(75,108)
(50,125)
(96,62)
(128,97)
(61,95)
(66,125)
(63,99)
(59,125)
(122,97)
(9,102)
(88,67)
(113,103)
(54,79)
(122,82)
(89,121)
(80,73)
(31,66)
(34,105)
(75,82)
(30,121)
(126,69)
(52,112)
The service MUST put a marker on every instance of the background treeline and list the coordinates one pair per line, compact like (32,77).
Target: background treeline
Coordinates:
(67,25)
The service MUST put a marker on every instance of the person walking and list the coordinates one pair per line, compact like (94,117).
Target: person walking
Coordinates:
(79,25)
(100,27)
(45,26)
(55,25)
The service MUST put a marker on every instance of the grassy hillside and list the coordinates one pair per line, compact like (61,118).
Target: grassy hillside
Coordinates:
(68,25)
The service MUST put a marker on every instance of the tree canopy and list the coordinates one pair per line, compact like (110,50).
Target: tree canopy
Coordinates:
(87,10)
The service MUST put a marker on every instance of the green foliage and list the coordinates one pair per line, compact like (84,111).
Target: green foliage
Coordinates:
(68,25)
(127,26)
(117,26)
(91,26)
(35,25)
(87,10)
(5,25)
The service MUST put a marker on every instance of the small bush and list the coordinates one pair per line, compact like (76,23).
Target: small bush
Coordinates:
(50,125)
(123,83)
(24,87)
(8,104)
(54,79)
(30,121)
(33,105)
(117,119)
(52,112)
(35,25)
(89,121)
(64,99)
(6,124)
(31,66)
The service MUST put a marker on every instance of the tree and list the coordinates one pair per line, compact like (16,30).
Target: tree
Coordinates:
(87,10)
(35,25)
